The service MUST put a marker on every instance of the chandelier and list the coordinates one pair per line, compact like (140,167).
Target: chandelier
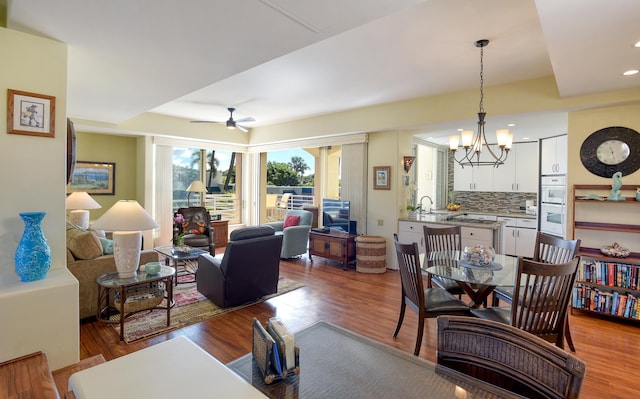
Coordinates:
(473,145)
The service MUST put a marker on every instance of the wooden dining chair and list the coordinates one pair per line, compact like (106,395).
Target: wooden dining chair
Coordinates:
(508,357)
(443,239)
(427,303)
(542,293)
(548,249)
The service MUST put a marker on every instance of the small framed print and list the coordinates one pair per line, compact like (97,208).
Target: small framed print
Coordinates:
(95,178)
(382,177)
(30,114)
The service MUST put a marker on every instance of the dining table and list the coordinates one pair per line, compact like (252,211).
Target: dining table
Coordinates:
(478,282)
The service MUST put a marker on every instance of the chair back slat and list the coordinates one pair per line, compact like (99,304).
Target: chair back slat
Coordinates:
(542,294)
(410,272)
(552,249)
(442,239)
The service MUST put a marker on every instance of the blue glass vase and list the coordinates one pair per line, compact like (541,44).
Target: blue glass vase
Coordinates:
(33,256)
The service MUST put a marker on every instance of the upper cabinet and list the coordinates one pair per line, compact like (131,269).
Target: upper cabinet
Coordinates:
(553,156)
(519,174)
(473,178)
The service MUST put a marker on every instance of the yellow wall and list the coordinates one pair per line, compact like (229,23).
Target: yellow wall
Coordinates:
(39,315)
(581,125)
(123,151)
(32,168)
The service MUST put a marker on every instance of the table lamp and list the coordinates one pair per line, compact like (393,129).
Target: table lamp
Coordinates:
(196,186)
(126,219)
(80,201)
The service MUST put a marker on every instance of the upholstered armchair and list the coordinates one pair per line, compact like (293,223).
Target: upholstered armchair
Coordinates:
(197,224)
(295,230)
(248,270)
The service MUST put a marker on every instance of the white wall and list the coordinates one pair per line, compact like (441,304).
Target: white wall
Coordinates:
(41,315)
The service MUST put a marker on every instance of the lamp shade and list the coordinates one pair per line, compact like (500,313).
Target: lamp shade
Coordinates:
(125,215)
(126,218)
(81,200)
(197,186)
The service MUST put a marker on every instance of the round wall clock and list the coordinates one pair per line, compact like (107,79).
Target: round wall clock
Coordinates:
(610,150)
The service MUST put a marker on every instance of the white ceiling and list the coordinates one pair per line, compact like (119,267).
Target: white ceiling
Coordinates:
(281,60)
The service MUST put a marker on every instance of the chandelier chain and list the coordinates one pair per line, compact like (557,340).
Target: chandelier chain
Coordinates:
(481,79)
(474,145)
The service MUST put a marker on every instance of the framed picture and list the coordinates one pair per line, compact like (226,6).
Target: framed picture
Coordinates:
(31,114)
(93,177)
(405,181)
(382,177)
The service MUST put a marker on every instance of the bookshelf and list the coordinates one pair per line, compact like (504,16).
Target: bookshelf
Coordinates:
(606,285)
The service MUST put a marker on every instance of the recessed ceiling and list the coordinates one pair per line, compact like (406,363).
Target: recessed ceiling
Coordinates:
(281,60)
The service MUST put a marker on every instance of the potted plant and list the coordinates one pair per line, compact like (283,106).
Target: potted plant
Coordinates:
(413,211)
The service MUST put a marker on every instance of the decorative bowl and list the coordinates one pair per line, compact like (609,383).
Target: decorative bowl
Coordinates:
(615,250)
(152,268)
(479,255)
(182,249)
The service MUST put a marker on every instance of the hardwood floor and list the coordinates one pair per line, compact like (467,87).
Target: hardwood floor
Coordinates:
(368,304)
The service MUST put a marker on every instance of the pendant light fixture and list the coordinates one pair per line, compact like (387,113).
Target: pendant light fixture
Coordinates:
(473,145)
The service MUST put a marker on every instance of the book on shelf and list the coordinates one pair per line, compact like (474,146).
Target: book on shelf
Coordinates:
(613,274)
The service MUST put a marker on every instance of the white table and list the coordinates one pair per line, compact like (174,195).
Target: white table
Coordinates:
(177,368)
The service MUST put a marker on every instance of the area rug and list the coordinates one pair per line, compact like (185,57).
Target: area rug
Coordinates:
(190,307)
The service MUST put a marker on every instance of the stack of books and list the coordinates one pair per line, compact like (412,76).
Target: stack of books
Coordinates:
(274,350)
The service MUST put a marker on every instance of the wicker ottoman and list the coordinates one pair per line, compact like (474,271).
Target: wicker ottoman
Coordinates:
(371,252)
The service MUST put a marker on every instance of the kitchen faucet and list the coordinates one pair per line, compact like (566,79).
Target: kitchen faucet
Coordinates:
(430,204)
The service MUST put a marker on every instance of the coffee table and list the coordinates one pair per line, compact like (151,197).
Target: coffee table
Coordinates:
(338,363)
(187,259)
(141,289)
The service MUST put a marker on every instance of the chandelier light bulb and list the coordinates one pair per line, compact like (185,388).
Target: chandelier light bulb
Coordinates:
(467,138)
(454,141)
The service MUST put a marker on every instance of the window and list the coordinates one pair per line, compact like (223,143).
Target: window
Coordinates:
(221,198)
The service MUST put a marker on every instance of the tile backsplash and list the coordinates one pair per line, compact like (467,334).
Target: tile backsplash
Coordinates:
(494,202)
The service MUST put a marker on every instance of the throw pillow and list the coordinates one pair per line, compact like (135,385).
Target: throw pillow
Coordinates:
(107,245)
(83,244)
(291,220)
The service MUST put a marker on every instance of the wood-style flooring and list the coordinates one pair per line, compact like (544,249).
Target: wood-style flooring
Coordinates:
(368,304)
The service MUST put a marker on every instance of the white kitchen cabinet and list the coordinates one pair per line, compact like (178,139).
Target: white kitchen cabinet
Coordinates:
(519,173)
(553,155)
(409,232)
(473,178)
(472,236)
(519,236)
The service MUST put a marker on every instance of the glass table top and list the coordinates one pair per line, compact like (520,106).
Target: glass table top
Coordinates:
(114,280)
(173,253)
(501,272)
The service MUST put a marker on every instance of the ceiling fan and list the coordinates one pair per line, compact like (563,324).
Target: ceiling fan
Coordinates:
(231,123)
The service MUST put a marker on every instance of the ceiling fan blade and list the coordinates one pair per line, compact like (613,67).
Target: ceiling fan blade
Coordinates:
(247,119)
(206,122)
(244,129)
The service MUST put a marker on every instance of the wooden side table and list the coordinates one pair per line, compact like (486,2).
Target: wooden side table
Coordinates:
(222,232)
(334,245)
(146,301)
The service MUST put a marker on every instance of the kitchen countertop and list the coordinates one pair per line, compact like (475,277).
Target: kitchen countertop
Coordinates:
(444,217)
(511,214)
